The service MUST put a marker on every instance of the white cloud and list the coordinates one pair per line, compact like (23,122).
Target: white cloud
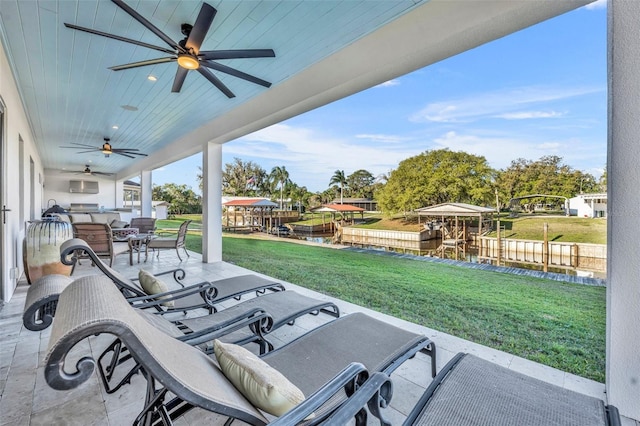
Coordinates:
(524,115)
(311,157)
(599,4)
(389,83)
(499,151)
(381,138)
(495,104)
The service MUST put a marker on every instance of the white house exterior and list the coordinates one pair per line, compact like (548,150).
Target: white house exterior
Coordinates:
(588,205)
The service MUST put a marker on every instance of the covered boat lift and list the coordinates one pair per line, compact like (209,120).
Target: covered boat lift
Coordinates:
(439,218)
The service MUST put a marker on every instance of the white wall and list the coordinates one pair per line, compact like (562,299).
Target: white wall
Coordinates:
(56,186)
(13,171)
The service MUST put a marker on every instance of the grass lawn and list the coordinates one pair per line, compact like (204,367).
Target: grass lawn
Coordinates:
(568,229)
(558,324)
(554,323)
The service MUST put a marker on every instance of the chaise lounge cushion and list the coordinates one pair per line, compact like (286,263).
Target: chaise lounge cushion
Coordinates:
(152,285)
(260,383)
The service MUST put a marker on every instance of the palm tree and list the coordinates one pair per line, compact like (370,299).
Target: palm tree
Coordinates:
(340,179)
(281,175)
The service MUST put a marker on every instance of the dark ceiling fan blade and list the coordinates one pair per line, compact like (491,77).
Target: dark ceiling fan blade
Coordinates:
(90,150)
(216,82)
(234,72)
(77,144)
(77,147)
(102,173)
(115,37)
(123,154)
(125,149)
(181,74)
(141,64)
(129,152)
(200,27)
(237,54)
(148,25)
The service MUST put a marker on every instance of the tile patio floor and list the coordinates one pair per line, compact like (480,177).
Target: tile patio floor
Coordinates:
(25,398)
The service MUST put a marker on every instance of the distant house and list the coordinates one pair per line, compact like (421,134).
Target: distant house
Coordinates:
(365,203)
(588,205)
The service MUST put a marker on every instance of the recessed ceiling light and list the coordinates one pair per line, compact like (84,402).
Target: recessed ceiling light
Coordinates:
(152,78)
(129,107)
(114,127)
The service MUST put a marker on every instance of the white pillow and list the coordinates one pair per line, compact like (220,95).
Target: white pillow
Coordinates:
(152,285)
(260,383)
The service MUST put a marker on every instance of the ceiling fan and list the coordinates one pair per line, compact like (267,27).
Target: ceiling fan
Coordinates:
(187,51)
(106,149)
(88,171)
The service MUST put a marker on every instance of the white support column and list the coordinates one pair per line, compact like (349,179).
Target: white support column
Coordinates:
(146,185)
(119,201)
(623,282)
(212,203)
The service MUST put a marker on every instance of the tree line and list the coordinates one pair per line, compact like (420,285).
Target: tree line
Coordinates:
(432,177)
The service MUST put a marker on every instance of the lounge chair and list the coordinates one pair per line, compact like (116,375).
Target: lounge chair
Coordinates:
(246,322)
(204,295)
(42,298)
(180,377)
(470,391)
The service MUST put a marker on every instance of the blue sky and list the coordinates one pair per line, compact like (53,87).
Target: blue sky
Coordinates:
(541,91)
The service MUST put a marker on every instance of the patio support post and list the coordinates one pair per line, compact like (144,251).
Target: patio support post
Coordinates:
(623,151)
(146,195)
(212,203)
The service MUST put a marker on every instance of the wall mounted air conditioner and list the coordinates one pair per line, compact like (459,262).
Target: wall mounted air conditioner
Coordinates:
(83,187)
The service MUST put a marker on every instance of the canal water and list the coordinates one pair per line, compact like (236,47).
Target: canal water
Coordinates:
(467,252)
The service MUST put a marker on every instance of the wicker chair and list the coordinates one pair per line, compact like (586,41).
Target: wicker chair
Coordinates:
(100,238)
(145,225)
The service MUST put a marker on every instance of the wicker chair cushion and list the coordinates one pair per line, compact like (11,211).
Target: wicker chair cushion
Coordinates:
(260,383)
(152,285)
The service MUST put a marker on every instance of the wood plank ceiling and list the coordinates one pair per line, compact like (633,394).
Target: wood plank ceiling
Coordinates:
(72,97)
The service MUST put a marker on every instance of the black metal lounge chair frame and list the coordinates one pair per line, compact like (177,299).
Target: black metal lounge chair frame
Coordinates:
(82,313)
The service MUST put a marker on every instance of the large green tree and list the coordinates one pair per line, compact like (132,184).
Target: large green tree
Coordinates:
(547,175)
(360,184)
(243,179)
(181,198)
(434,177)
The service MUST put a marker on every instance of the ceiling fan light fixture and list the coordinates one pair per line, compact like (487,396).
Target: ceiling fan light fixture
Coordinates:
(106,148)
(188,62)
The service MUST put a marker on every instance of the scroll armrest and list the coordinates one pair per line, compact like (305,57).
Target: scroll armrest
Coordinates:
(375,393)
(350,378)
(253,318)
(206,289)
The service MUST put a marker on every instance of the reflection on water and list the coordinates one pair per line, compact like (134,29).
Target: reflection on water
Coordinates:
(467,252)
